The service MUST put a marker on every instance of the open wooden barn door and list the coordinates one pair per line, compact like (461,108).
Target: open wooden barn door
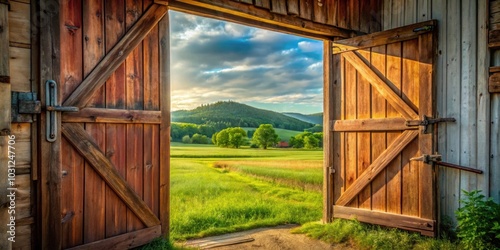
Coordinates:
(105,159)
(379,90)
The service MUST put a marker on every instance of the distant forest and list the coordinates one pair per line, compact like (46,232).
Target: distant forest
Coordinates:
(232,114)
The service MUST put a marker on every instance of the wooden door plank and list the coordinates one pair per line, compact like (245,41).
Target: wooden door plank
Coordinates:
(71,49)
(50,177)
(331,12)
(319,14)
(151,74)
(72,184)
(393,184)
(115,207)
(114,30)
(134,169)
(338,137)
(379,84)
(164,40)
(354,16)
(381,38)
(72,189)
(101,115)
(278,6)
(152,167)
(93,45)
(494,83)
(350,98)
(375,124)
(424,226)
(85,145)
(115,134)
(410,94)
(94,210)
(379,139)
(329,146)
(5,116)
(377,166)
(266,4)
(427,196)
(364,138)
(116,56)
(124,241)
(293,7)
(306,9)
(134,99)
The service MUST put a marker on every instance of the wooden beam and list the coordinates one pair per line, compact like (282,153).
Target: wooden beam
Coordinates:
(164,67)
(381,38)
(377,166)
(383,124)
(124,241)
(424,226)
(83,93)
(381,86)
(5,99)
(494,83)
(113,116)
(251,12)
(328,145)
(50,226)
(86,146)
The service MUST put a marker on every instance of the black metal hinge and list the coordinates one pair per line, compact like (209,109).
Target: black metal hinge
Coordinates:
(24,106)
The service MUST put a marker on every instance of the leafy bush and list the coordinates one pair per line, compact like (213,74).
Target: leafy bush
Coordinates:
(186,139)
(478,222)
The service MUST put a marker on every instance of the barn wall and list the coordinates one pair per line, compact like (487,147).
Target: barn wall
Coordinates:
(461,77)
(20,45)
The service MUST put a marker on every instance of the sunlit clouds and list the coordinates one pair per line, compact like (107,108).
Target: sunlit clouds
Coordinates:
(213,60)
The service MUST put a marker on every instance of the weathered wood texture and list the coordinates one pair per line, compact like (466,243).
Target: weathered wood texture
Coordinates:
(381,86)
(114,185)
(311,18)
(461,79)
(494,88)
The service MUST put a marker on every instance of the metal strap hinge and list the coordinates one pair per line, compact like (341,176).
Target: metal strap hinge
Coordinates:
(427,121)
(424,28)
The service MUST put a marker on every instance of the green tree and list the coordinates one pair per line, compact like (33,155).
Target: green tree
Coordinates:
(265,136)
(311,142)
(186,139)
(237,136)
(223,138)
(199,139)
(214,138)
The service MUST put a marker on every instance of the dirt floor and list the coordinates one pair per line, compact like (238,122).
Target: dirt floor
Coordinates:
(278,238)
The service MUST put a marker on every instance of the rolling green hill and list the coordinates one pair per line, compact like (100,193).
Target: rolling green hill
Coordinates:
(316,118)
(235,114)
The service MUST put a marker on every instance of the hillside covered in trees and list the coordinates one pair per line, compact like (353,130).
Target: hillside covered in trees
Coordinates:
(233,114)
(316,118)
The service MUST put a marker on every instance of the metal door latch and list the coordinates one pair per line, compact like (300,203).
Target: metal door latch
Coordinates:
(427,121)
(52,106)
(437,159)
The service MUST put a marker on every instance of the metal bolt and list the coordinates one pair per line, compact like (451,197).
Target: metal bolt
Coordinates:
(52,136)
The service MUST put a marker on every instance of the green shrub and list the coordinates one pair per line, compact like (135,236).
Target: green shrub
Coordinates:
(478,222)
(186,139)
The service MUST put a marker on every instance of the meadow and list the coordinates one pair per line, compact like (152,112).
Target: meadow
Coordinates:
(220,190)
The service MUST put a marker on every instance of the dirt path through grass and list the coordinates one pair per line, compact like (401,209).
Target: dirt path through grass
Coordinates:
(279,238)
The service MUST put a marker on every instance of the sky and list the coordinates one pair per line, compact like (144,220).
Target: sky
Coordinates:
(214,60)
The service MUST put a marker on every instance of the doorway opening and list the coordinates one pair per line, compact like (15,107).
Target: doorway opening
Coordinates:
(246,129)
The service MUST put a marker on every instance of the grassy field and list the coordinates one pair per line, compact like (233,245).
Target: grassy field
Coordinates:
(219,190)
(283,134)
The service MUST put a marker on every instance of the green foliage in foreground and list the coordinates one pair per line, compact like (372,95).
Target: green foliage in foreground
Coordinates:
(363,236)
(161,244)
(478,222)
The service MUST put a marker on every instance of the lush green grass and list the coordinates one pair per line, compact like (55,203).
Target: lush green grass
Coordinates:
(208,201)
(363,236)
